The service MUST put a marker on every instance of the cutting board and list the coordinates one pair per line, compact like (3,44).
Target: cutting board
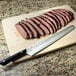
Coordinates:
(16,42)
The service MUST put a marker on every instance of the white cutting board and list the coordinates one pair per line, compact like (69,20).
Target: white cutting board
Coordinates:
(16,43)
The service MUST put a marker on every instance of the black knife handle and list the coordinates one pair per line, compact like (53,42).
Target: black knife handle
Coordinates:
(13,57)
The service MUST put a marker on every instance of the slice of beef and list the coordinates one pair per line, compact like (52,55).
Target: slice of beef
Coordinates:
(51,20)
(43,21)
(43,27)
(63,15)
(69,14)
(72,15)
(56,20)
(31,28)
(67,18)
(27,29)
(36,25)
(66,12)
(21,29)
(48,25)
(60,17)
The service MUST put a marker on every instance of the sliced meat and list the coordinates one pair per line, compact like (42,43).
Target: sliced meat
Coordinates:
(27,29)
(37,26)
(59,22)
(31,28)
(47,23)
(63,15)
(66,12)
(21,29)
(43,27)
(58,25)
(51,20)
(60,17)
(71,14)
(44,24)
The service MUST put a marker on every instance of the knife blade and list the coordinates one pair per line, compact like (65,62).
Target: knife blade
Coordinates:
(48,41)
(38,46)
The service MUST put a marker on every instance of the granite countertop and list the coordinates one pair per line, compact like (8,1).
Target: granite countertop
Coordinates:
(59,63)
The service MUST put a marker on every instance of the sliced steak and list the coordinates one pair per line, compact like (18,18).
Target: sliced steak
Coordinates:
(71,14)
(37,26)
(66,16)
(21,29)
(63,15)
(43,27)
(30,26)
(60,17)
(58,25)
(47,23)
(43,21)
(51,20)
(27,29)
(66,12)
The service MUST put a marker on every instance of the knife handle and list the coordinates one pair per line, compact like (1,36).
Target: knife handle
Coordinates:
(13,57)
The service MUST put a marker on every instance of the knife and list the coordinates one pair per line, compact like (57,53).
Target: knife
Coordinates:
(38,46)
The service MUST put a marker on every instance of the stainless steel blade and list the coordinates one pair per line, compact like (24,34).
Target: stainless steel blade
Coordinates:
(48,41)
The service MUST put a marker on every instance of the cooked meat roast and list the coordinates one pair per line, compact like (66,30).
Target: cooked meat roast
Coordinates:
(47,23)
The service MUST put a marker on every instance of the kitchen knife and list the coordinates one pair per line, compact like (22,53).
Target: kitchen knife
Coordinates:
(39,46)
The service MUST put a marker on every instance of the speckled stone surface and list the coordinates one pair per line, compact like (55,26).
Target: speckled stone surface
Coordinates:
(59,63)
